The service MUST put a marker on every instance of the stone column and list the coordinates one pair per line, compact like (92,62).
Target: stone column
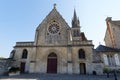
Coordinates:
(31,70)
(69,62)
(32,60)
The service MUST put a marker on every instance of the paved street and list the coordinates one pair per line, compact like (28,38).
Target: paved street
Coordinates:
(57,77)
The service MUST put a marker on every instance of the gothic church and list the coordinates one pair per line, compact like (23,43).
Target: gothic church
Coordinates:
(57,48)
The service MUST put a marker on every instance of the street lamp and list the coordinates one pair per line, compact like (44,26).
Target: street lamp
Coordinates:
(115,73)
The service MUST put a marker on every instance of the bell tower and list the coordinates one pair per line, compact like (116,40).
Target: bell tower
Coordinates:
(75,27)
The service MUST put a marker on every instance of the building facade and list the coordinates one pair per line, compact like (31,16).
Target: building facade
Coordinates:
(110,54)
(112,37)
(57,48)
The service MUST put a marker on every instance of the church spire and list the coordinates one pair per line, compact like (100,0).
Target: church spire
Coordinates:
(75,26)
(74,16)
(75,20)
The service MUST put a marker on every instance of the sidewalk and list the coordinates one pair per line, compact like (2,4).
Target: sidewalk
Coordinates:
(57,77)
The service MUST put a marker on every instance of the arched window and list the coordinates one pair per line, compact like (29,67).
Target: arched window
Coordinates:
(24,54)
(81,54)
(52,55)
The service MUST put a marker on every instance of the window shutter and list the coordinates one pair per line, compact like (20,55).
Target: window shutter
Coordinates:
(116,59)
(105,59)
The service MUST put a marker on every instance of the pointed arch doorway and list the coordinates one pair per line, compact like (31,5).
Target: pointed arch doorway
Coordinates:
(52,63)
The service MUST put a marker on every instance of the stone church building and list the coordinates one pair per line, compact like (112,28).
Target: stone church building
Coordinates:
(59,48)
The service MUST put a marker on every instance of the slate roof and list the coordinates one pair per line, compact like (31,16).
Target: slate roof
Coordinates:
(116,22)
(83,36)
(102,48)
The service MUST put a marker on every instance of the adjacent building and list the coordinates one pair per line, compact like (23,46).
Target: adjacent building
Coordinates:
(112,37)
(110,54)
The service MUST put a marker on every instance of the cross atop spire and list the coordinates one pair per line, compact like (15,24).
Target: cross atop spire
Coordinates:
(54,5)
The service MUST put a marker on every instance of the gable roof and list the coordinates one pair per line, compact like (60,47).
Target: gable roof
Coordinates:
(102,48)
(52,15)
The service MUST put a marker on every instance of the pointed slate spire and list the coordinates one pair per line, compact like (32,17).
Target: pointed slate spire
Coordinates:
(75,26)
(75,16)
(75,20)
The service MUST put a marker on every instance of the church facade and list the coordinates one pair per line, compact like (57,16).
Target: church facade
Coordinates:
(57,48)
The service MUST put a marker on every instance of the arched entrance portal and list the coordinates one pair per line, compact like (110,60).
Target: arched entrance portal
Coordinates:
(52,63)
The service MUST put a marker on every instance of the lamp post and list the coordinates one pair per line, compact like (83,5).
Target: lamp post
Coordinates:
(115,73)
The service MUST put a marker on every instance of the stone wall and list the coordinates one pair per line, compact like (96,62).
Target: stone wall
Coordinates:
(30,57)
(107,39)
(88,59)
(98,68)
(116,32)
(42,55)
(112,34)
(4,65)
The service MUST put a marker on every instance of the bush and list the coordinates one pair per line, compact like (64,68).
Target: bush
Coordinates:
(105,70)
(14,69)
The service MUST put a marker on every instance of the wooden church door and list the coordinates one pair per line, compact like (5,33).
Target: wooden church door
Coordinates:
(22,67)
(82,68)
(52,63)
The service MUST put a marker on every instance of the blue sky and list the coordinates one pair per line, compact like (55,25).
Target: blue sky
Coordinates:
(20,18)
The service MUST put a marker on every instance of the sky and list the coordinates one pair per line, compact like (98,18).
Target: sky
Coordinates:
(20,18)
